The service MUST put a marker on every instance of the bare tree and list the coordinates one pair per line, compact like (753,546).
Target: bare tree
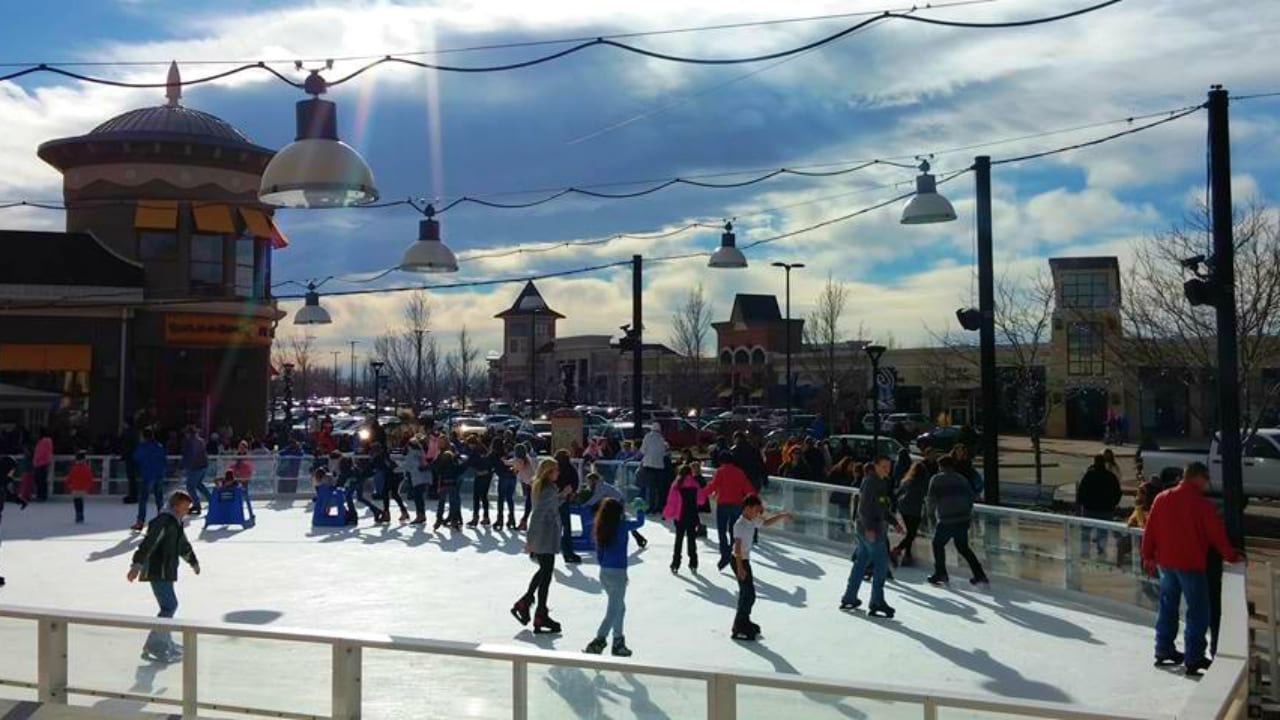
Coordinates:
(461,365)
(1023,321)
(299,353)
(824,329)
(690,325)
(1164,334)
(398,349)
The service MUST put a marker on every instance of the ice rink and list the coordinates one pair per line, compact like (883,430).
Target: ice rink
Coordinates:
(1012,641)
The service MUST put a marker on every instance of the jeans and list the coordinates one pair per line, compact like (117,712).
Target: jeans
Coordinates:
(154,488)
(876,554)
(912,523)
(355,491)
(614,581)
(746,596)
(77,499)
(1175,585)
(379,484)
(391,491)
(1099,534)
(159,641)
(41,475)
(420,499)
(959,534)
(480,495)
(507,496)
(195,485)
(726,516)
(452,495)
(528,503)
(566,528)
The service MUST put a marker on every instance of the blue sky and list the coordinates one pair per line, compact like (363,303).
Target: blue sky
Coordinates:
(897,89)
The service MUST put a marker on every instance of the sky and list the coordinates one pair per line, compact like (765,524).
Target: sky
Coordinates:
(895,90)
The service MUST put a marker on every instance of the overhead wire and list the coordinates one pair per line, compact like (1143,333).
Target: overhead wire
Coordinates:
(577,48)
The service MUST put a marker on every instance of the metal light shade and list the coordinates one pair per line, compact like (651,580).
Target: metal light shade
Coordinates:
(874,352)
(728,256)
(317,170)
(927,206)
(429,254)
(311,313)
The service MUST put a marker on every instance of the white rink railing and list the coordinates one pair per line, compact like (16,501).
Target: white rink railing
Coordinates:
(1095,557)
(347,650)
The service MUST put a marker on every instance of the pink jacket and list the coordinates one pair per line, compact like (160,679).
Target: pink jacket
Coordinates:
(43,453)
(674,500)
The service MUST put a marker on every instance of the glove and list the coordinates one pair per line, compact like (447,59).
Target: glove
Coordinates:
(638,505)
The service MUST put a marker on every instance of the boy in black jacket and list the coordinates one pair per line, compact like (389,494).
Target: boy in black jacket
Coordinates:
(156,562)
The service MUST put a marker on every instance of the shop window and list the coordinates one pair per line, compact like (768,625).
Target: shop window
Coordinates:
(206,265)
(1084,349)
(154,246)
(244,279)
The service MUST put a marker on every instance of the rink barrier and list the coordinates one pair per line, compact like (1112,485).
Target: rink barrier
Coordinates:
(1098,558)
(347,650)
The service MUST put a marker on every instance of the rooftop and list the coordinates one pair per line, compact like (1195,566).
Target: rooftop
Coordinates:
(64,258)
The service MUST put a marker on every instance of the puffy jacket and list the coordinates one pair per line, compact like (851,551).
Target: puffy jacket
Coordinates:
(682,501)
(1099,491)
(1181,528)
(157,557)
(730,486)
(151,460)
(614,555)
(79,478)
(911,496)
(950,498)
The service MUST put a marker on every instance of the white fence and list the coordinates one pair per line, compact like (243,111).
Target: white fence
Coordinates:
(1074,554)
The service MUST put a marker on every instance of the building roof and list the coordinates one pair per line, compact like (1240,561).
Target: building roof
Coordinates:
(62,258)
(752,309)
(1100,262)
(528,302)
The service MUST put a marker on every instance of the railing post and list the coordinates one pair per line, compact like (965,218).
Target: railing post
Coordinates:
(190,674)
(1274,625)
(722,698)
(519,690)
(51,649)
(930,709)
(1070,578)
(346,681)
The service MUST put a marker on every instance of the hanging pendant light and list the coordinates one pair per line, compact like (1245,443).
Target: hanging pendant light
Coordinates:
(728,256)
(429,254)
(317,170)
(927,206)
(311,313)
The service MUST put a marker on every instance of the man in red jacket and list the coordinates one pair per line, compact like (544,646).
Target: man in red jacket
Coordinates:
(730,487)
(1181,528)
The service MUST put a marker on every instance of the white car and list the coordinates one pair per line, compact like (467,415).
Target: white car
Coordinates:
(1260,465)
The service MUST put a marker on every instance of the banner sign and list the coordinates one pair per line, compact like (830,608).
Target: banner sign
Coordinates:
(220,330)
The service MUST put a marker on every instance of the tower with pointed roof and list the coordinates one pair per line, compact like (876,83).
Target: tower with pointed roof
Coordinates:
(528,336)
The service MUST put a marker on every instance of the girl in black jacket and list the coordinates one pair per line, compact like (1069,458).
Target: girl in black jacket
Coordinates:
(481,464)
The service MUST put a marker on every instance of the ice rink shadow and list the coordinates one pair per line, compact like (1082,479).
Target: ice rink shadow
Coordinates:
(782,665)
(505,542)
(1025,617)
(126,545)
(591,695)
(945,606)
(252,617)
(1002,679)
(571,575)
(219,532)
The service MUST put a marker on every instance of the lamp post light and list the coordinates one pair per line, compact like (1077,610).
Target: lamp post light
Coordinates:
(728,256)
(788,267)
(428,254)
(335,354)
(352,378)
(874,352)
(311,312)
(288,395)
(377,385)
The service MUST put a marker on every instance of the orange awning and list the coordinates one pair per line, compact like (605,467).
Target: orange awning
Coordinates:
(156,215)
(39,358)
(278,238)
(213,219)
(256,222)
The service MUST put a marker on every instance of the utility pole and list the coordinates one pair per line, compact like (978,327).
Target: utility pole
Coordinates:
(417,375)
(1224,284)
(637,351)
(336,390)
(987,334)
(790,393)
(352,377)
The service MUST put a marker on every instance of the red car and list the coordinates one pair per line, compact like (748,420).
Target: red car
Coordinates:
(678,433)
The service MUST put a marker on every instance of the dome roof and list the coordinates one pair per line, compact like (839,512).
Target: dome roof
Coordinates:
(169,120)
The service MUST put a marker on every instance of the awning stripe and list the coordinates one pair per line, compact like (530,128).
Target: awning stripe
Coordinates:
(214,219)
(255,221)
(156,215)
(278,238)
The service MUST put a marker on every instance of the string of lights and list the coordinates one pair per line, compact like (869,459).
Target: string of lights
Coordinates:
(572,50)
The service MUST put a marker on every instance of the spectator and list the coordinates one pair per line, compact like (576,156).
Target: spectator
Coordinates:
(1097,496)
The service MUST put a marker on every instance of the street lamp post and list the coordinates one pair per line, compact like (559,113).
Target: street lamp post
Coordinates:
(874,352)
(377,384)
(788,267)
(288,395)
(336,390)
(352,377)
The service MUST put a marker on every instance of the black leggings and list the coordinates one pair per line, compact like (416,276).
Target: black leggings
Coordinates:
(480,495)
(540,583)
(912,522)
(391,491)
(684,531)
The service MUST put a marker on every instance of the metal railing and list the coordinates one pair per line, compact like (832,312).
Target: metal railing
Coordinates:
(347,650)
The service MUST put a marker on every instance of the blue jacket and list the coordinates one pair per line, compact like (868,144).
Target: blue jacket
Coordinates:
(151,460)
(615,554)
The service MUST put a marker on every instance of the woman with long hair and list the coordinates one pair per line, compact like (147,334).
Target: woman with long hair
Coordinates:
(481,465)
(522,464)
(541,543)
(682,509)
(611,533)
(911,495)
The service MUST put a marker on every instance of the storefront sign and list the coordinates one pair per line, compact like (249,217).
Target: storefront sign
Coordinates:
(566,429)
(216,330)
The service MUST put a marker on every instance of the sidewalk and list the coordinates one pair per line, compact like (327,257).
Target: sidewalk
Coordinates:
(1064,446)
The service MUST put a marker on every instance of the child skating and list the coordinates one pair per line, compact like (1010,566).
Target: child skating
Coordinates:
(79,482)
(744,531)
(682,509)
(541,543)
(611,533)
(156,562)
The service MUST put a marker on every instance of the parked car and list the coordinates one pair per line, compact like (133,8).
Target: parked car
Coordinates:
(463,425)
(861,446)
(941,438)
(594,425)
(869,422)
(912,423)
(498,423)
(535,433)
(678,433)
(1260,464)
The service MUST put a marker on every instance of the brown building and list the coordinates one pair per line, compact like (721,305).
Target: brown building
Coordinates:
(157,297)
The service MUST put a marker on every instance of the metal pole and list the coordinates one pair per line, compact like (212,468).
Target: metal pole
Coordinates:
(637,352)
(987,307)
(789,392)
(533,360)
(335,354)
(1224,281)
(417,376)
(352,378)
(875,407)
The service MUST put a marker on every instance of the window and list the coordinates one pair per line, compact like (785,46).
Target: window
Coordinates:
(741,357)
(262,272)
(1261,448)
(157,246)
(1086,290)
(244,267)
(757,357)
(726,357)
(206,265)
(1084,349)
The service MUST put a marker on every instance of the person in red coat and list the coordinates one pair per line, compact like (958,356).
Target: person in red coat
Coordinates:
(1183,525)
(79,483)
(730,486)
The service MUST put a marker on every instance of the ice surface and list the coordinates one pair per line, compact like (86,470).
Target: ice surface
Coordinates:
(1013,641)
